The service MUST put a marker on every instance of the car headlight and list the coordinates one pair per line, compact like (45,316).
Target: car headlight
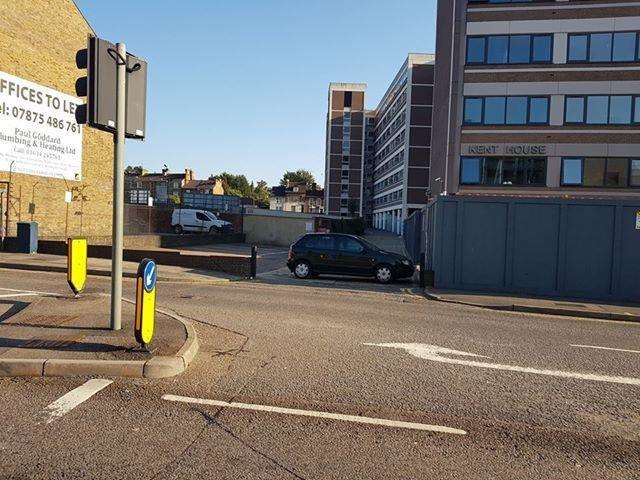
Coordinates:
(406,262)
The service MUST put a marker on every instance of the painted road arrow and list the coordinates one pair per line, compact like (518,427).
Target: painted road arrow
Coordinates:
(443,355)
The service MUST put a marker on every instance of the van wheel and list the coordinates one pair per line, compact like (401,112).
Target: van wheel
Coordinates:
(384,274)
(213,230)
(302,269)
(178,229)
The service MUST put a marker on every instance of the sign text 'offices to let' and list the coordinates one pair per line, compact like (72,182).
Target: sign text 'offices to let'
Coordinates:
(38,130)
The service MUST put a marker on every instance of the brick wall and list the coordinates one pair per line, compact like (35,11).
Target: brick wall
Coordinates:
(38,42)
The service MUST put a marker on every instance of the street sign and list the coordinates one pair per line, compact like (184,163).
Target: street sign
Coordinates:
(77,264)
(147,277)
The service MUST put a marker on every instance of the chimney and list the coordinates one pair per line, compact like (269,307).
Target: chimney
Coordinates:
(188,175)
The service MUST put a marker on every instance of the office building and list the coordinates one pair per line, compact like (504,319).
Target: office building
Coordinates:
(537,98)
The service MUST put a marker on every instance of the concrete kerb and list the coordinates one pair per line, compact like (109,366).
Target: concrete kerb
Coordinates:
(564,312)
(107,273)
(155,367)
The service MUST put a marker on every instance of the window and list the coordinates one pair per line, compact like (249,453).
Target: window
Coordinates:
(202,217)
(350,245)
(578,48)
(624,46)
(603,47)
(503,171)
(600,47)
(345,174)
(347,99)
(574,110)
(541,48)
(320,242)
(635,173)
(597,109)
(602,109)
(473,110)
(494,111)
(470,170)
(601,172)
(344,202)
(345,148)
(620,110)
(509,49)
(344,188)
(572,171)
(520,49)
(516,110)
(539,110)
(475,49)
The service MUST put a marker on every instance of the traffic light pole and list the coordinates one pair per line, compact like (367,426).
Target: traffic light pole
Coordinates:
(118,189)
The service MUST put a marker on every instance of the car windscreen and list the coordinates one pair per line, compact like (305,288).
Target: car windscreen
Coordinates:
(317,242)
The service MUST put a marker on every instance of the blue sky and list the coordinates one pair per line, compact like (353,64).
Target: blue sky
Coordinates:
(241,85)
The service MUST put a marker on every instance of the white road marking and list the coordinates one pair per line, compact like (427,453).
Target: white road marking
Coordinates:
(605,348)
(435,353)
(31,292)
(316,414)
(75,397)
(20,295)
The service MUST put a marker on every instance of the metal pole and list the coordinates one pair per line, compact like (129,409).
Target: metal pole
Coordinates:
(118,190)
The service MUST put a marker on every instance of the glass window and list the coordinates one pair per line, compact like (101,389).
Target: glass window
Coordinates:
(635,173)
(617,172)
(497,49)
(494,110)
(624,46)
(542,48)
(620,109)
(572,171)
(600,47)
(516,110)
(574,110)
(520,49)
(470,170)
(346,244)
(530,171)
(539,110)
(597,109)
(513,171)
(593,172)
(577,48)
(473,110)
(475,49)
(636,109)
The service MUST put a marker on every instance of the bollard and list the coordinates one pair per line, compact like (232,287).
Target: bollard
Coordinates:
(423,266)
(254,261)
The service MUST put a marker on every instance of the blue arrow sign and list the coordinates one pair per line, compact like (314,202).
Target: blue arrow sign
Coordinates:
(150,276)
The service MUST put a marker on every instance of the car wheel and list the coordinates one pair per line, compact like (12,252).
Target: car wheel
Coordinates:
(384,274)
(213,230)
(302,269)
(178,229)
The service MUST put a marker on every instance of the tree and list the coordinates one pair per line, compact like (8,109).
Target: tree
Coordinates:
(261,194)
(139,170)
(239,185)
(299,176)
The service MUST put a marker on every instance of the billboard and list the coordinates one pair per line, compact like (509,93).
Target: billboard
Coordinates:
(38,130)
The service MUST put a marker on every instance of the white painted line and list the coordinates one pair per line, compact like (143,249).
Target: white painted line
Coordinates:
(20,295)
(75,397)
(316,414)
(31,292)
(605,348)
(435,354)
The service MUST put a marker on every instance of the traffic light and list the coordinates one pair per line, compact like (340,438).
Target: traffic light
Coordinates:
(100,59)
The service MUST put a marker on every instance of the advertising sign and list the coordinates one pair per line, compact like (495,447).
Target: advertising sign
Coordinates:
(38,130)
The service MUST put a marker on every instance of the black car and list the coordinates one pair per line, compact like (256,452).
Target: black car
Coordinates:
(341,254)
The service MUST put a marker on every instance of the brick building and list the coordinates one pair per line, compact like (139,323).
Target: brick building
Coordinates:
(42,160)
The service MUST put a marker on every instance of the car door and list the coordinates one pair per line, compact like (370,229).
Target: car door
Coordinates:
(352,256)
(321,253)
(202,222)
(188,220)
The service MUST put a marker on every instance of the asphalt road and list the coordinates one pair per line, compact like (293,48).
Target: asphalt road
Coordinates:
(531,404)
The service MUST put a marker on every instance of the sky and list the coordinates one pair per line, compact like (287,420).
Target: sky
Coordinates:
(241,85)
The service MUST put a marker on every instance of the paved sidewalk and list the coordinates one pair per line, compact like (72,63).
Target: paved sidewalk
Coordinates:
(102,267)
(568,307)
(67,336)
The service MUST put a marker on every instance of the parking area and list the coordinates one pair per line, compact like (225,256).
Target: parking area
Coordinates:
(270,258)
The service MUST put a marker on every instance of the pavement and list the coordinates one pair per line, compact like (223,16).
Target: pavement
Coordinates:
(305,381)
(569,307)
(47,334)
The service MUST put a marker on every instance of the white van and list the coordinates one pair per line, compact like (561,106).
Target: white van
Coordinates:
(192,220)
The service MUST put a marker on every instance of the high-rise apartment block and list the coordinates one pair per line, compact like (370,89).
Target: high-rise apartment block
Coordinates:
(391,165)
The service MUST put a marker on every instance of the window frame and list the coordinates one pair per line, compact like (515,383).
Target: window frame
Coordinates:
(532,37)
(603,184)
(588,52)
(585,99)
(481,165)
(506,97)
